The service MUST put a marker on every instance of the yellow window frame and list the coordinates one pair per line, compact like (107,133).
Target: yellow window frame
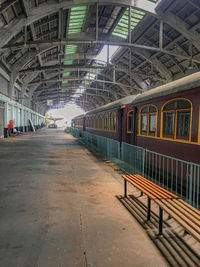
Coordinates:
(148,120)
(176,119)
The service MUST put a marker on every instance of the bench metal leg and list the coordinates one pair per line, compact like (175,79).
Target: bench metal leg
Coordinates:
(125,188)
(149,209)
(160,221)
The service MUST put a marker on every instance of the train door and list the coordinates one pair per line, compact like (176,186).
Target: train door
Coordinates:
(135,126)
(121,125)
(1,119)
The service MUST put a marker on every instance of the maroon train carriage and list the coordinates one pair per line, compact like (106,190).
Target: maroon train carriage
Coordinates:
(169,119)
(109,120)
(165,119)
(78,123)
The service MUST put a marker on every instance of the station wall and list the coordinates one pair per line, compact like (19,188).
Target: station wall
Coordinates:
(20,114)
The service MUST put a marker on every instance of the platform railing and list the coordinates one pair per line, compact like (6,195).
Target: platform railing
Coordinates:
(132,159)
(106,147)
(175,175)
(178,176)
(75,132)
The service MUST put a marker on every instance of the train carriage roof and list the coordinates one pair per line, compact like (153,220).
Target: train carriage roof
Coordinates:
(113,105)
(189,82)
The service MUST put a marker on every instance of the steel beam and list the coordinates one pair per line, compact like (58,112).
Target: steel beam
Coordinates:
(47,9)
(182,27)
(100,42)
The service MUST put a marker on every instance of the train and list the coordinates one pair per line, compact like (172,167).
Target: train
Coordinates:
(165,119)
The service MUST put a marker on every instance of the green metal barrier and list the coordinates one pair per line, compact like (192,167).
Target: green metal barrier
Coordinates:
(75,133)
(132,159)
(106,147)
(177,176)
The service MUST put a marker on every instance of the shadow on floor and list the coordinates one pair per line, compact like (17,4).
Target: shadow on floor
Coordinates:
(172,245)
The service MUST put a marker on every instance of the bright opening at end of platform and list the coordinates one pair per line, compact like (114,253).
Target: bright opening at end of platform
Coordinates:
(67,113)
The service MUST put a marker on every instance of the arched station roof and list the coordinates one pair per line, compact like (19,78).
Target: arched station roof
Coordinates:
(51,48)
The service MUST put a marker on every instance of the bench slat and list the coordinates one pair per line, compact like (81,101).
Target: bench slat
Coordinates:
(146,187)
(153,189)
(141,188)
(177,218)
(187,216)
(156,186)
(189,206)
(187,209)
(159,190)
(190,221)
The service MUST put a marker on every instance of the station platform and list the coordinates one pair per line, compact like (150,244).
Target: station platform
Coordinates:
(58,207)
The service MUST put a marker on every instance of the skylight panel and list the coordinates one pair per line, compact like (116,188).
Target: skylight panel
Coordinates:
(76,22)
(65,74)
(122,27)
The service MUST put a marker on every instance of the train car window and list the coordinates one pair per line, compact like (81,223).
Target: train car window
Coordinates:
(110,121)
(183,104)
(96,122)
(170,106)
(148,120)
(177,119)
(152,124)
(115,121)
(169,124)
(183,124)
(100,122)
(130,121)
(144,121)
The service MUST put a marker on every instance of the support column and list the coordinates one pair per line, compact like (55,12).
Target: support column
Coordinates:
(6,120)
(11,85)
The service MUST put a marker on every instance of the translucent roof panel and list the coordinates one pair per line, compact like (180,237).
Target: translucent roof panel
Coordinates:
(71,49)
(77,18)
(76,22)
(65,74)
(122,27)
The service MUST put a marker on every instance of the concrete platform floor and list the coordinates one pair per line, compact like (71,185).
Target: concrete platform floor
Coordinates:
(58,207)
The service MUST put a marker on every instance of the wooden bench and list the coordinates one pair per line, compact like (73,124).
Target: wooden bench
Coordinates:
(186,215)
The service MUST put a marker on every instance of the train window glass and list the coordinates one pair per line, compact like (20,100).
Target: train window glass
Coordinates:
(177,121)
(130,122)
(183,104)
(106,122)
(96,122)
(152,124)
(170,106)
(109,121)
(169,124)
(144,123)
(148,120)
(152,109)
(114,121)
(183,129)
(100,122)
(145,110)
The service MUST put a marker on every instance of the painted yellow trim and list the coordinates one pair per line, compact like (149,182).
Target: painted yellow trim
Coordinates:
(175,111)
(123,106)
(170,139)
